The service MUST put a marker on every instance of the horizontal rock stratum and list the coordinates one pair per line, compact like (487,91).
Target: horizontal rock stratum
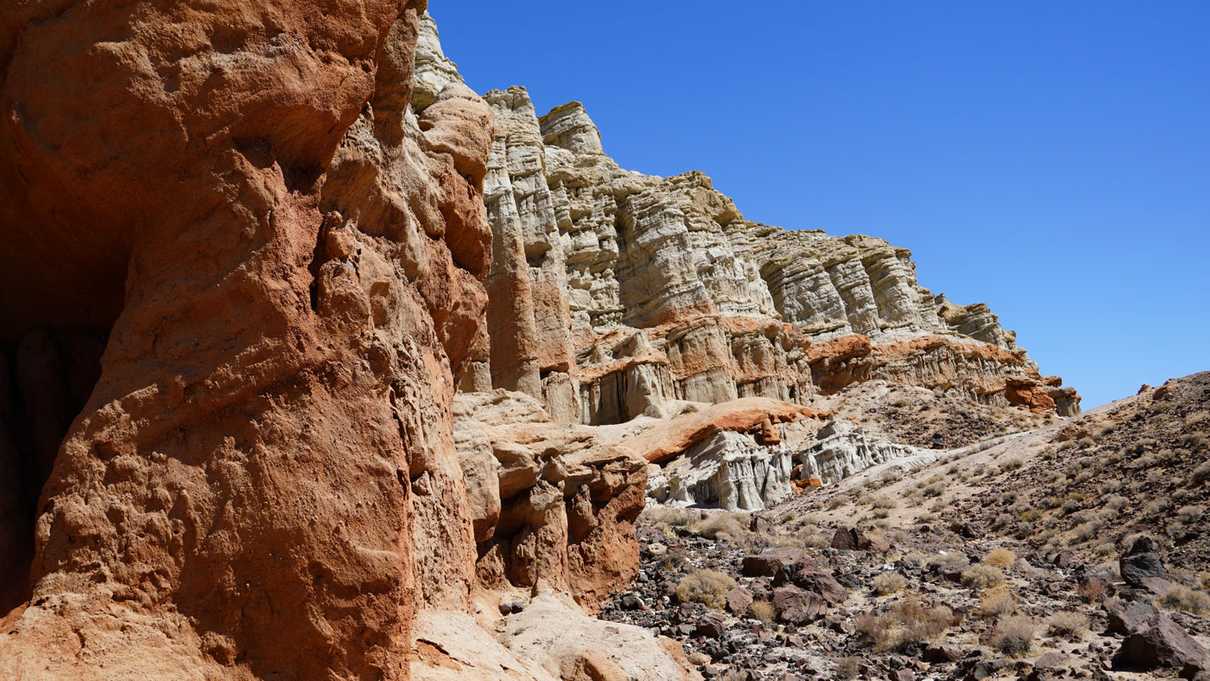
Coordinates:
(315,364)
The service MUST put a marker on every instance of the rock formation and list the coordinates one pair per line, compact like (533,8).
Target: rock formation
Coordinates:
(315,364)
(271,218)
(653,290)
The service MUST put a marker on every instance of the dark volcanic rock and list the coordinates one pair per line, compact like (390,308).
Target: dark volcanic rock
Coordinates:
(1141,562)
(1161,644)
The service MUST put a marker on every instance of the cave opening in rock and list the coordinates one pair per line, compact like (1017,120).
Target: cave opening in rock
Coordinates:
(46,377)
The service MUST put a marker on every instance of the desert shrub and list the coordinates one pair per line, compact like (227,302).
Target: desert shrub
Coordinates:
(1030,515)
(836,502)
(1183,598)
(763,611)
(1068,625)
(669,516)
(949,562)
(997,602)
(982,576)
(1189,514)
(848,668)
(721,525)
(907,621)
(1011,465)
(935,489)
(1092,591)
(1116,502)
(1201,474)
(708,587)
(1000,558)
(1014,635)
(1205,580)
(884,503)
(888,583)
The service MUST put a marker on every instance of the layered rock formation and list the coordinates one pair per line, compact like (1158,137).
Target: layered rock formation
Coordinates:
(669,294)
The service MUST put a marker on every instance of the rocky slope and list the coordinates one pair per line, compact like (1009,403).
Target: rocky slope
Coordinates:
(1075,550)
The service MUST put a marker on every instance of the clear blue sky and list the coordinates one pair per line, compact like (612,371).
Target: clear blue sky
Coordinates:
(1051,159)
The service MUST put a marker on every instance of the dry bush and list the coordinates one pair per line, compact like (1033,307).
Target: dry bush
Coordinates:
(763,611)
(669,516)
(883,503)
(888,583)
(1001,558)
(848,668)
(708,587)
(935,489)
(732,526)
(907,621)
(1014,635)
(982,576)
(1205,580)
(1011,465)
(1092,591)
(1068,625)
(949,562)
(1201,474)
(997,602)
(1183,598)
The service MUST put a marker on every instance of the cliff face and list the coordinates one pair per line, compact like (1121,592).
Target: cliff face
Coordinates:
(667,293)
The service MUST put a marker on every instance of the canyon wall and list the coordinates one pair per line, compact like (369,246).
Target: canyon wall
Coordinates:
(629,293)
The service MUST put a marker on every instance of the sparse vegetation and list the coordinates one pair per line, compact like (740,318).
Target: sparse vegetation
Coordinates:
(997,602)
(888,583)
(1068,625)
(708,587)
(763,611)
(1014,635)
(1201,474)
(982,576)
(907,621)
(1185,599)
(1001,558)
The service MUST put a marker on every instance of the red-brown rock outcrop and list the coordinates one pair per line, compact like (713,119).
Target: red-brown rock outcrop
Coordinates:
(288,263)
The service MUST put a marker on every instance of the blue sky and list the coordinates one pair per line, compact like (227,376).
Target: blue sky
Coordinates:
(1051,159)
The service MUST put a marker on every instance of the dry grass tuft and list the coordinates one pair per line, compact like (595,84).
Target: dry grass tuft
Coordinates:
(907,621)
(1001,558)
(888,583)
(1068,625)
(763,611)
(1014,635)
(997,602)
(708,587)
(982,576)
(1185,599)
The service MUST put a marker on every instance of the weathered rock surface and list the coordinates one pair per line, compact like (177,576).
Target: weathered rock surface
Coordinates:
(271,217)
(649,291)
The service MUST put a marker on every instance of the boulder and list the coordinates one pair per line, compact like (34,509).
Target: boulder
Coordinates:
(1141,563)
(1161,643)
(797,606)
(1128,617)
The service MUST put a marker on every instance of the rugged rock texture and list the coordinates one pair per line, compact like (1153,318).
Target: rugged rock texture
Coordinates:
(730,471)
(271,218)
(666,293)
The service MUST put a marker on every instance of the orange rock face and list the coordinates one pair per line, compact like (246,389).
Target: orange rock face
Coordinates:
(288,265)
